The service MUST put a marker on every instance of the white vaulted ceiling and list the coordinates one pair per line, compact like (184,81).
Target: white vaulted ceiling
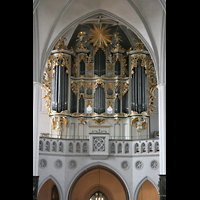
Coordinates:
(53,19)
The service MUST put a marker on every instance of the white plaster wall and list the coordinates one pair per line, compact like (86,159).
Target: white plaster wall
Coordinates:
(65,176)
(45,120)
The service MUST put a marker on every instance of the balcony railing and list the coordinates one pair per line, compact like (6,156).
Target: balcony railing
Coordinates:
(77,137)
(81,146)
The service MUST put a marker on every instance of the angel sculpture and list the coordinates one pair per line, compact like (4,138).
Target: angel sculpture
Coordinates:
(82,40)
(116,39)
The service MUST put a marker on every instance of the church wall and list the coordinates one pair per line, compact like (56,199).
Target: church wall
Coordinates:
(74,163)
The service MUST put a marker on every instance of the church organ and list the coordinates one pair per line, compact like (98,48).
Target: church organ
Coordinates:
(100,79)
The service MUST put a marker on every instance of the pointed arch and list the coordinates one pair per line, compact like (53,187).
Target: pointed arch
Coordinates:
(137,190)
(48,50)
(98,165)
(55,182)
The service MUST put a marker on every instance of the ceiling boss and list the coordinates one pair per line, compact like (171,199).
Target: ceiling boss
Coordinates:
(100,36)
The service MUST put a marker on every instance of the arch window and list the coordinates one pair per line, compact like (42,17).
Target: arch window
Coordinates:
(78,147)
(127,148)
(47,146)
(98,196)
(137,148)
(71,147)
(112,148)
(60,147)
(41,145)
(119,148)
(84,148)
(54,145)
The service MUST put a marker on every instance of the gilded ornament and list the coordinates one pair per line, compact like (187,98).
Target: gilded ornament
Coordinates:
(152,85)
(99,121)
(140,123)
(89,67)
(110,103)
(138,45)
(100,36)
(46,85)
(99,82)
(74,87)
(110,67)
(125,87)
(82,40)
(65,122)
(117,120)
(89,103)
(134,59)
(118,47)
(81,120)
(60,45)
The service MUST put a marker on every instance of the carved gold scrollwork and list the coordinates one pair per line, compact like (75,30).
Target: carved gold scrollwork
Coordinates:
(56,123)
(65,61)
(46,85)
(141,123)
(125,87)
(123,66)
(89,102)
(99,82)
(138,45)
(117,120)
(117,57)
(75,67)
(110,67)
(74,87)
(110,103)
(134,59)
(117,84)
(89,67)
(81,94)
(82,57)
(99,121)
(152,85)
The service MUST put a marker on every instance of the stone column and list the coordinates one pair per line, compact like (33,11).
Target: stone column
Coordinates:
(162,138)
(36,116)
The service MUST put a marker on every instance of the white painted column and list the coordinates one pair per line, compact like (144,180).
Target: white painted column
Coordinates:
(162,126)
(36,120)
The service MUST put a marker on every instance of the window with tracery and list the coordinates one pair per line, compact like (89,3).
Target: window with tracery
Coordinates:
(98,196)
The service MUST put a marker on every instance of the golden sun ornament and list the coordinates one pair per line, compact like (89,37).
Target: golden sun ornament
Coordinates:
(100,35)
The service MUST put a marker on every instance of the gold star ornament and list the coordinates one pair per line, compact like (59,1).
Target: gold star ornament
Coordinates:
(100,36)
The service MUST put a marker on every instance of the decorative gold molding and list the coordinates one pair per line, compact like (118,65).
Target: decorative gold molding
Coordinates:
(46,85)
(133,61)
(138,45)
(123,66)
(88,102)
(74,87)
(141,123)
(152,85)
(125,87)
(89,67)
(60,44)
(81,120)
(117,120)
(99,82)
(99,121)
(110,103)
(65,122)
